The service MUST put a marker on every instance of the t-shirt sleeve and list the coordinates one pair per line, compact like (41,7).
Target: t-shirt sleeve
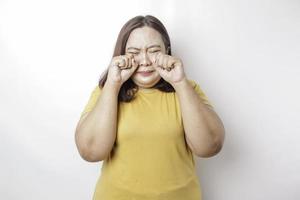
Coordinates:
(200,92)
(92,100)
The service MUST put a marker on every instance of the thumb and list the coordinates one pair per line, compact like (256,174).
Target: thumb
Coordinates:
(157,67)
(134,64)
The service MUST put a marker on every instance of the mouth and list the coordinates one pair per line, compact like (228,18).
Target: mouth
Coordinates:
(145,73)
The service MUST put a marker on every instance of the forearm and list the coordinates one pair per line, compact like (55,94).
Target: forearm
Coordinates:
(97,133)
(203,128)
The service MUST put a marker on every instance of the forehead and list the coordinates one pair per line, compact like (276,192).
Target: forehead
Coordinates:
(143,37)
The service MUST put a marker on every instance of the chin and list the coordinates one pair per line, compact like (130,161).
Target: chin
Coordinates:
(146,82)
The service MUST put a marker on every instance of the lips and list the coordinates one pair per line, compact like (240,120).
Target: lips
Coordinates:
(145,71)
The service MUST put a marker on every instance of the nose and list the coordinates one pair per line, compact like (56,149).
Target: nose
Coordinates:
(144,60)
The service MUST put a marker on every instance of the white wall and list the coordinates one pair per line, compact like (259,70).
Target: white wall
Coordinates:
(244,54)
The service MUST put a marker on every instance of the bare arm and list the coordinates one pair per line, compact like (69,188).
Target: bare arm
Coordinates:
(96,131)
(204,130)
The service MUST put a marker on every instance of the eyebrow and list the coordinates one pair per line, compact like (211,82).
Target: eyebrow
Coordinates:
(151,46)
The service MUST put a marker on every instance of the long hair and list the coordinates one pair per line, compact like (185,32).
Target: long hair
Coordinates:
(128,88)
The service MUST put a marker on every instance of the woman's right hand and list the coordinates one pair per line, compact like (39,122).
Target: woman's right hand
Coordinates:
(121,68)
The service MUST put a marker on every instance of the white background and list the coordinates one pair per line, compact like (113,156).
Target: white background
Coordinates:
(244,54)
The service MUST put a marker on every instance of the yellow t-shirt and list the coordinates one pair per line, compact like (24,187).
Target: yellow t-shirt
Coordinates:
(150,159)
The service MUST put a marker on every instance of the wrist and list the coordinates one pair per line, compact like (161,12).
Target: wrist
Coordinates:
(180,84)
(112,85)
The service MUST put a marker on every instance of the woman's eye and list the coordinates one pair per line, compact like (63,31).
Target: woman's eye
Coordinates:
(154,51)
(133,53)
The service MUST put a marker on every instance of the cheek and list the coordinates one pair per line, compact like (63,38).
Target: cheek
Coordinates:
(152,57)
(156,74)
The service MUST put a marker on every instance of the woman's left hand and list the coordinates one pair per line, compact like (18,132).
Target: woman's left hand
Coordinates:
(170,68)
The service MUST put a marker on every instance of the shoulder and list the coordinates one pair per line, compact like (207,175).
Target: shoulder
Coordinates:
(193,82)
(200,92)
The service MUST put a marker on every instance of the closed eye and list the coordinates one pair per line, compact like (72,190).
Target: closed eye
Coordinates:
(133,53)
(155,51)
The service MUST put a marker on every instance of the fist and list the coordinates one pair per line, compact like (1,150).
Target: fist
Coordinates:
(121,68)
(170,68)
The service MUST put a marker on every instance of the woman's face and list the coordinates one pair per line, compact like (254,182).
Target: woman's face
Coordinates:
(144,44)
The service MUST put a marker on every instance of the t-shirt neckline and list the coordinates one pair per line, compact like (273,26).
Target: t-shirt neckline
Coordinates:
(147,91)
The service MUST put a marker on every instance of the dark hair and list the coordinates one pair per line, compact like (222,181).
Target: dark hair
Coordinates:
(128,88)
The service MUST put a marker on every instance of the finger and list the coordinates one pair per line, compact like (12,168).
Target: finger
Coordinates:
(158,68)
(131,59)
(128,62)
(160,60)
(121,63)
(171,63)
(134,64)
(165,62)
(125,62)
(130,56)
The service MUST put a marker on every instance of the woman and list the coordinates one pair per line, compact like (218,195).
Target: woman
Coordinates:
(146,120)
